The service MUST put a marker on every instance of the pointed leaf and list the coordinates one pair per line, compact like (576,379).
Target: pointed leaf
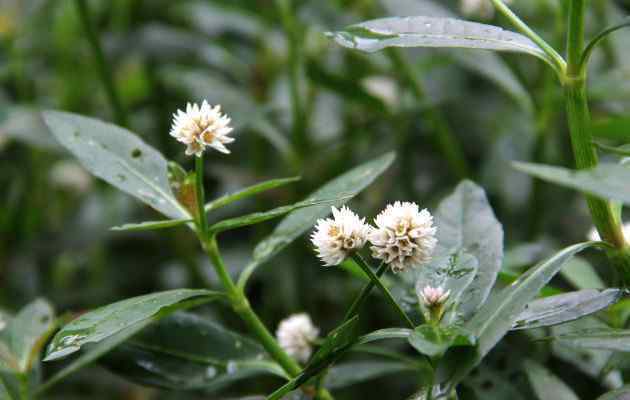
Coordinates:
(422,31)
(609,181)
(188,352)
(598,339)
(104,322)
(562,308)
(248,192)
(295,224)
(545,384)
(119,157)
(385,334)
(151,225)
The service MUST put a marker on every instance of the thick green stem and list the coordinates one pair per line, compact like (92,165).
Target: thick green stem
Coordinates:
(104,69)
(377,282)
(445,140)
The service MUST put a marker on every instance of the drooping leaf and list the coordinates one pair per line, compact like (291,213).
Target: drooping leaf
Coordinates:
(562,308)
(104,322)
(497,316)
(188,352)
(248,192)
(609,181)
(24,337)
(423,31)
(295,224)
(623,150)
(151,225)
(434,340)
(545,384)
(119,157)
(598,339)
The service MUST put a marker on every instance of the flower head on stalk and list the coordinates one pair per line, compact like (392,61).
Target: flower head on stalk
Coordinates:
(404,236)
(202,126)
(296,335)
(337,237)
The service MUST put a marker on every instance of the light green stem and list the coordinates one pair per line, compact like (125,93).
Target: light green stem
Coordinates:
(202,220)
(104,69)
(377,282)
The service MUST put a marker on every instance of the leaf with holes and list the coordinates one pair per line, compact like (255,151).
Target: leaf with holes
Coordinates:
(119,157)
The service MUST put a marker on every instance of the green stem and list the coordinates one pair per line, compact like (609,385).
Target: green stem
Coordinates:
(294,38)
(358,302)
(605,214)
(527,31)
(202,220)
(377,282)
(103,66)
(445,140)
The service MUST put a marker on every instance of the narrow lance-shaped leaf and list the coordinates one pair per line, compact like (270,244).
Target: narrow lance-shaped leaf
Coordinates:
(609,181)
(104,322)
(295,224)
(423,31)
(188,352)
(151,225)
(119,157)
(598,339)
(248,192)
(545,384)
(496,317)
(562,308)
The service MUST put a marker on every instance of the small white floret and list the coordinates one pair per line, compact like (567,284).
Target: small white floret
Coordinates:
(404,236)
(202,126)
(335,238)
(296,335)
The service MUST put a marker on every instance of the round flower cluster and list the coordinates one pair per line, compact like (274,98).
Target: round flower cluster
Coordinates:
(404,236)
(200,127)
(296,335)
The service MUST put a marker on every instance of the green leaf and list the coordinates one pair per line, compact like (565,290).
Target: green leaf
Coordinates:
(497,316)
(104,322)
(24,337)
(545,384)
(422,31)
(618,394)
(597,339)
(248,192)
(609,181)
(623,151)
(466,223)
(385,334)
(151,225)
(434,340)
(615,128)
(562,308)
(258,217)
(581,275)
(119,157)
(351,373)
(295,224)
(188,352)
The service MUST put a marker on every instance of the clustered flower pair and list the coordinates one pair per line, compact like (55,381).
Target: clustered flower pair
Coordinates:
(404,236)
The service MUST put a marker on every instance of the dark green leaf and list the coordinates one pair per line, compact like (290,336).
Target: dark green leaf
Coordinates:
(615,128)
(422,31)
(609,181)
(351,373)
(545,384)
(188,352)
(623,393)
(598,339)
(562,308)
(119,157)
(295,224)
(104,322)
(151,225)
(248,192)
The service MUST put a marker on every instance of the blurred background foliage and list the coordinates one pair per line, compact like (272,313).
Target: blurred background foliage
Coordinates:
(250,56)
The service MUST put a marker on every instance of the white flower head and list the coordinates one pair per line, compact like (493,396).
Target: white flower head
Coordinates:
(478,8)
(200,127)
(404,236)
(296,335)
(432,296)
(335,238)
(594,235)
